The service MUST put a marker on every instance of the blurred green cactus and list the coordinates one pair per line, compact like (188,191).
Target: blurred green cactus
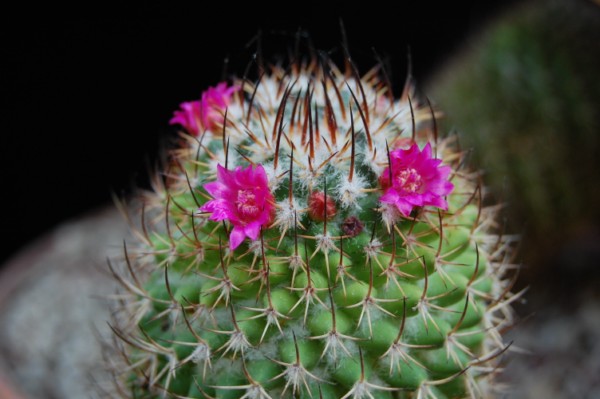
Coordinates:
(525,96)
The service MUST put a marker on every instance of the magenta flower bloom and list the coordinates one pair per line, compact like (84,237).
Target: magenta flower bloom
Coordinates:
(206,113)
(417,180)
(243,197)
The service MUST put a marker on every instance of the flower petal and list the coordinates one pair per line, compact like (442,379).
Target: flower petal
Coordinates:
(252,230)
(216,189)
(404,207)
(236,237)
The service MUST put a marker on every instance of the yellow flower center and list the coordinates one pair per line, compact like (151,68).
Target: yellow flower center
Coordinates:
(409,180)
(246,203)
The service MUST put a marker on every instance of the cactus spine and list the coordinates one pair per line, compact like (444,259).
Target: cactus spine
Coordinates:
(313,237)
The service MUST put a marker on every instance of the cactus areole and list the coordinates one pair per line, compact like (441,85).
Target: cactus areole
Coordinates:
(313,237)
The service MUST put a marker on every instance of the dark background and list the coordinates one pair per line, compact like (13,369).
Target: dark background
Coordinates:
(86,99)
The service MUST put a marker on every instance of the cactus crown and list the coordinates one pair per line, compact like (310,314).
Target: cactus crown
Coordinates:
(313,237)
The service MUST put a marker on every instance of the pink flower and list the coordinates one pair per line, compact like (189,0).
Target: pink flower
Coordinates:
(417,180)
(206,113)
(243,197)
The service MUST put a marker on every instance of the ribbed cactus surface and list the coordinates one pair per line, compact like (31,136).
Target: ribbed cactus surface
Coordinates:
(312,236)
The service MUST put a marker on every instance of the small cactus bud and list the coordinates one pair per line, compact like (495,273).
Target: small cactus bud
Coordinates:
(352,226)
(319,208)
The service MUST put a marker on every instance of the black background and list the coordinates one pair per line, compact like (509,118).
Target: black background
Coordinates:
(86,98)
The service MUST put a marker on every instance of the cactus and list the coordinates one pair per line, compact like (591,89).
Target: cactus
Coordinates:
(312,237)
(539,62)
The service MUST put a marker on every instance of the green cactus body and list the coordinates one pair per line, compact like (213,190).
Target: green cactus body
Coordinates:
(340,295)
